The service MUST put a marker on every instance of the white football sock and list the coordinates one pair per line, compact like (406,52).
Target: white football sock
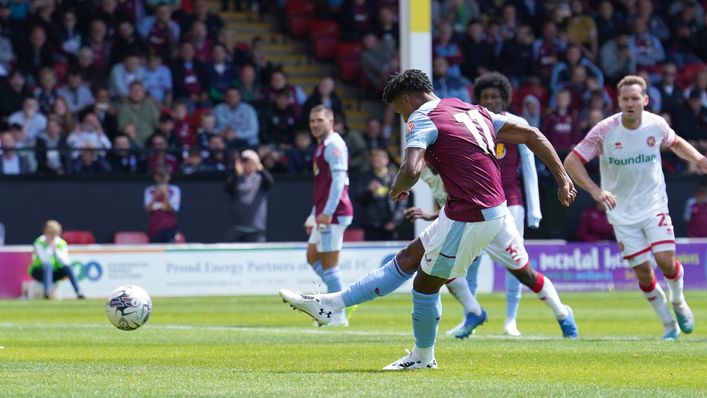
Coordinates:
(460,290)
(656,297)
(547,294)
(675,284)
(333,300)
(424,354)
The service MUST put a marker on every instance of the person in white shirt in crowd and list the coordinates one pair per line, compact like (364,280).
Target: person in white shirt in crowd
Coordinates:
(30,118)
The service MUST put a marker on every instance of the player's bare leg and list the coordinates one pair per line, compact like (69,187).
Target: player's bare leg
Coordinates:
(656,298)
(544,288)
(314,261)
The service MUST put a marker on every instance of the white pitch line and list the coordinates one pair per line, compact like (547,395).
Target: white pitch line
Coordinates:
(322,331)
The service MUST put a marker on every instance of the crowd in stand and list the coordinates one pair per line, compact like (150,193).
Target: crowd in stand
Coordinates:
(128,86)
(563,57)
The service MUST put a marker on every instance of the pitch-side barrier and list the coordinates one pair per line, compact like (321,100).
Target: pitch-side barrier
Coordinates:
(253,269)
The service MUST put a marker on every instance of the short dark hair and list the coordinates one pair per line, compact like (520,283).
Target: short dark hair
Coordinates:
(321,108)
(493,80)
(409,81)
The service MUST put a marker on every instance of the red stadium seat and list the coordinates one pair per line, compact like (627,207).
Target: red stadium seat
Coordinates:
(686,74)
(79,237)
(299,25)
(353,235)
(325,48)
(324,29)
(348,59)
(325,35)
(300,7)
(130,238)
(346,51)
(350,70)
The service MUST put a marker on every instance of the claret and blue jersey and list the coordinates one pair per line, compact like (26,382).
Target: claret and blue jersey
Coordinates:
(453,133)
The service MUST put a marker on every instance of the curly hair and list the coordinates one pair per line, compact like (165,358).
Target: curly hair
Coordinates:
(409,81)
(493,80)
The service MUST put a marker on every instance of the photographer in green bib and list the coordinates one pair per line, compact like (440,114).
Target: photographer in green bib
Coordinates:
(50,259)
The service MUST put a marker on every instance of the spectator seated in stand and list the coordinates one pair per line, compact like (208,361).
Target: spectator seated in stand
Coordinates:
(380,214)
(158,79)
(51,149)
(447,86)
(189,77)
(220,73)
(300,155)
(10,162)
(279,122)
(240,116)
(90,161)
(159,156)
(560,126)
(217,161)
(695,214)
(140,111)
(324,94)
(124,159)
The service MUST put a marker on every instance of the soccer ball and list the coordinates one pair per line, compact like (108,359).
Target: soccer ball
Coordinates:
(128,307)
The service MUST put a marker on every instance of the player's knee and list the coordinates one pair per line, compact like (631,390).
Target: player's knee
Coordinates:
(427,284)
(526,276)
(406,261)
(665,260)
(311,257)
(644,274)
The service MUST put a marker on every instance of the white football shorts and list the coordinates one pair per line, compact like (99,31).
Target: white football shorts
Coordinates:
(507,248)
(450,246)
(328,238)
(654,234)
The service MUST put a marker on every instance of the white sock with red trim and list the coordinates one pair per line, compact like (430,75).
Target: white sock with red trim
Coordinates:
(656,297)
(460,290)
(675,284)
(547,294)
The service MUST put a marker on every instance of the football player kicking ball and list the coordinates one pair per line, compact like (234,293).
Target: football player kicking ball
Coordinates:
(458,140)
(633,190)
(332,210)
(493,90)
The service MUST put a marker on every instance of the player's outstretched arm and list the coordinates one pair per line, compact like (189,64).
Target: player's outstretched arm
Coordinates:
(530,136)
(688,152)
(579,174)
(409,173)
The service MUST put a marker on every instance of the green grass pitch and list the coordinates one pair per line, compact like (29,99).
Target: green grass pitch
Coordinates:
(258,347)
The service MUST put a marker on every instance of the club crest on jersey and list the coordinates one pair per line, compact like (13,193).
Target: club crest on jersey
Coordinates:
(500,150)
(650,141)
(618,145)
(411,125)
